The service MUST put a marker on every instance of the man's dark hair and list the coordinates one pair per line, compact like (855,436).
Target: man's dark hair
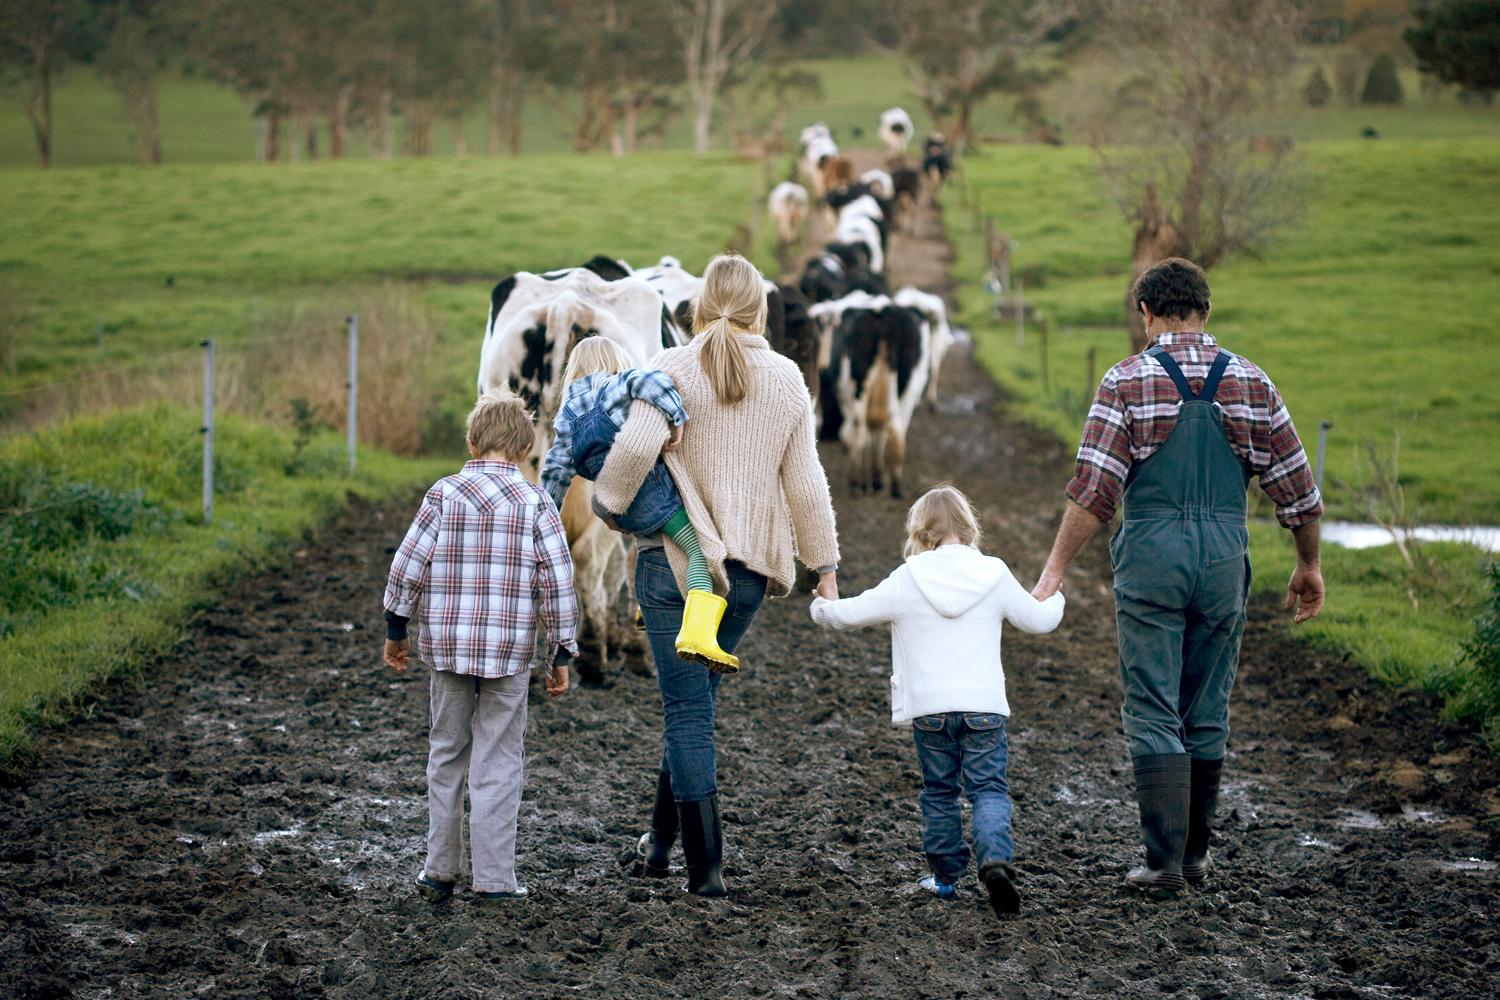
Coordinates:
(1175,288)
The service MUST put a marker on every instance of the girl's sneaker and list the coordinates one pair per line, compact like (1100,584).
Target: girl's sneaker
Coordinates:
(939,888)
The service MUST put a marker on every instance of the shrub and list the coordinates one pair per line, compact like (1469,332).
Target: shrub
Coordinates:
(1479,662)
(1383,85)
(1317,91)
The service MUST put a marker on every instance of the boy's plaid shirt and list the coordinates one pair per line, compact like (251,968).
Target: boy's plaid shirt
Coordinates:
(484,560)
(614,393)
(1135,411)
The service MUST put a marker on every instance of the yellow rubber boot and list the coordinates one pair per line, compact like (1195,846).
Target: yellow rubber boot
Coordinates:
(698,639)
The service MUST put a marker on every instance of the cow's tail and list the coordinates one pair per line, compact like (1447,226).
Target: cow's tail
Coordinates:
(878,409)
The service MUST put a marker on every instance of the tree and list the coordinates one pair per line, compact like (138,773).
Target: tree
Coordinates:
(128,63)
(1317,91)
(1459,42)
(1383,85)
(959,54)
(42,35)
(718,37)
(1189,141)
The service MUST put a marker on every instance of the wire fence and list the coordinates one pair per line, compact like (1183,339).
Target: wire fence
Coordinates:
(306,372)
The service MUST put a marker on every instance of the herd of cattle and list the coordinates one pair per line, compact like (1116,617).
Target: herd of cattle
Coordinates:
(868,355)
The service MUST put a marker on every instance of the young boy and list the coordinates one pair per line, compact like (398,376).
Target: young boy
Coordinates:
(484,561)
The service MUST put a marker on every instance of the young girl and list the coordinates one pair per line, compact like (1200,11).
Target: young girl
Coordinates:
(599,386)
(945,606)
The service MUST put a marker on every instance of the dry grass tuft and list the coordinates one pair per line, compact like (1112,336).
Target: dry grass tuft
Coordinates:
(288,368)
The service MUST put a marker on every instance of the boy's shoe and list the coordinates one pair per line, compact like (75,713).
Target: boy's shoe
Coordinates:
(493,898)
(698,639)
(434,890)
(939,888)
(999,879)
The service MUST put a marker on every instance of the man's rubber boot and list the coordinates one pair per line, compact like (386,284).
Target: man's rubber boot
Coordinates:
(1203,799)
(1161,789)
(653,853)
(703,846)
(698,639)
(999,878)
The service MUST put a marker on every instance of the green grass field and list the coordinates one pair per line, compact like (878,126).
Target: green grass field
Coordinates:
(103,508)
(1373,312)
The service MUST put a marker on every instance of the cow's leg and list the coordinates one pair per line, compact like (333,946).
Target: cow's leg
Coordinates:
(895,458)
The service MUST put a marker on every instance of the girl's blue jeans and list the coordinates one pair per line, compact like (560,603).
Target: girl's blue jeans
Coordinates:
(689,691)
(963,752)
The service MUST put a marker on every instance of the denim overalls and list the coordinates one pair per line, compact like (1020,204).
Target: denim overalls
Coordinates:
(1182,573)
(657,499)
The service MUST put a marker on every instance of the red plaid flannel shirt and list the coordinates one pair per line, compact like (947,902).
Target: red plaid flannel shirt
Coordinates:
(1136,409)
(484,560)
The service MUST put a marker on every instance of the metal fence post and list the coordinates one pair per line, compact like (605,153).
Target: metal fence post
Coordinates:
(1020,313)
(208,430)
(353,386)
(1323,426)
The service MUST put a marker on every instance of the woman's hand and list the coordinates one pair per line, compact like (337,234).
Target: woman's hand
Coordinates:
(828,586)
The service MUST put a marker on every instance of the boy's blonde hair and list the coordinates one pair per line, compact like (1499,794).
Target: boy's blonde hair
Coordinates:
(733,298)
(594,356)
(500,424)
(938,513)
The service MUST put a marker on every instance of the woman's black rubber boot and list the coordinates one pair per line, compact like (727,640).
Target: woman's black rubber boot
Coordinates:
(1161,788)
(1203,801)
(651,856)
(703,846)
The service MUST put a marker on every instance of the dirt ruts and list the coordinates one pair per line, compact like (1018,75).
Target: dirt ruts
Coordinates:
(248,824)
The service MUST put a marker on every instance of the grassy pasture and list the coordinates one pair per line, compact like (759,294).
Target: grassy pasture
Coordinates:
(205,122)
(1374,312)
(103,507)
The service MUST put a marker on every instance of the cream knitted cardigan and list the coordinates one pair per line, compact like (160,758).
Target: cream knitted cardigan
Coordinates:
(748,472)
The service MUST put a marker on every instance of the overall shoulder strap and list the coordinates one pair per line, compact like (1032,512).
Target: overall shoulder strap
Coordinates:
(1178,379)
(1215,375)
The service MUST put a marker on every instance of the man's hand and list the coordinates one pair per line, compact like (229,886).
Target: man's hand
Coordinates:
(1304,593)
(1049,584)
(674,441)
(557,680)
(828,586)
(397,653)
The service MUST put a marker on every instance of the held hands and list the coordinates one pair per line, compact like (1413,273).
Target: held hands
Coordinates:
(1049,584)
(397,654)
(828,586)
(1304,593)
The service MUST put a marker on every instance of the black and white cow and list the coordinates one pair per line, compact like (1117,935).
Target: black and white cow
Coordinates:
(788,204)
(895,131)
(826,317)
(534,321)
(940,336)
(879,368)
(800,342)
(906,185)
(679,289)
(937,161)
(862,221)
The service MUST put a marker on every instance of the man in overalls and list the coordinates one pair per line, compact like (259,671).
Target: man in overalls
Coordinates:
(1178,430)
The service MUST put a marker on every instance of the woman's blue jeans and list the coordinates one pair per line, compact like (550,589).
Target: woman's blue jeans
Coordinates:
(963,751)
(689,691)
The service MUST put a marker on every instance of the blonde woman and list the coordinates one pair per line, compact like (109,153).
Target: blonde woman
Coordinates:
(748,471)
(945,605)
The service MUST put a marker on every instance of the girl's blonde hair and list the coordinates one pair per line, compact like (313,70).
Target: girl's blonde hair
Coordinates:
(595,356)
(733,301)
(938,513)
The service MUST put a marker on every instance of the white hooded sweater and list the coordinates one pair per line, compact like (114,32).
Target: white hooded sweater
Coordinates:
(945,608)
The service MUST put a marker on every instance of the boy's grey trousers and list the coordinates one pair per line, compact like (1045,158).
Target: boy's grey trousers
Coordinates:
(478,726)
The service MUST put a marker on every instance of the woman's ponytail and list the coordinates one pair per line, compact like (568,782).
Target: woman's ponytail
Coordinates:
(733,301)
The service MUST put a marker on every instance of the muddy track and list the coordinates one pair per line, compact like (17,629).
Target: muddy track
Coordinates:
(248,824)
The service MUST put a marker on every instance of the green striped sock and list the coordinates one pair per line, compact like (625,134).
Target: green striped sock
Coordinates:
(680,530)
